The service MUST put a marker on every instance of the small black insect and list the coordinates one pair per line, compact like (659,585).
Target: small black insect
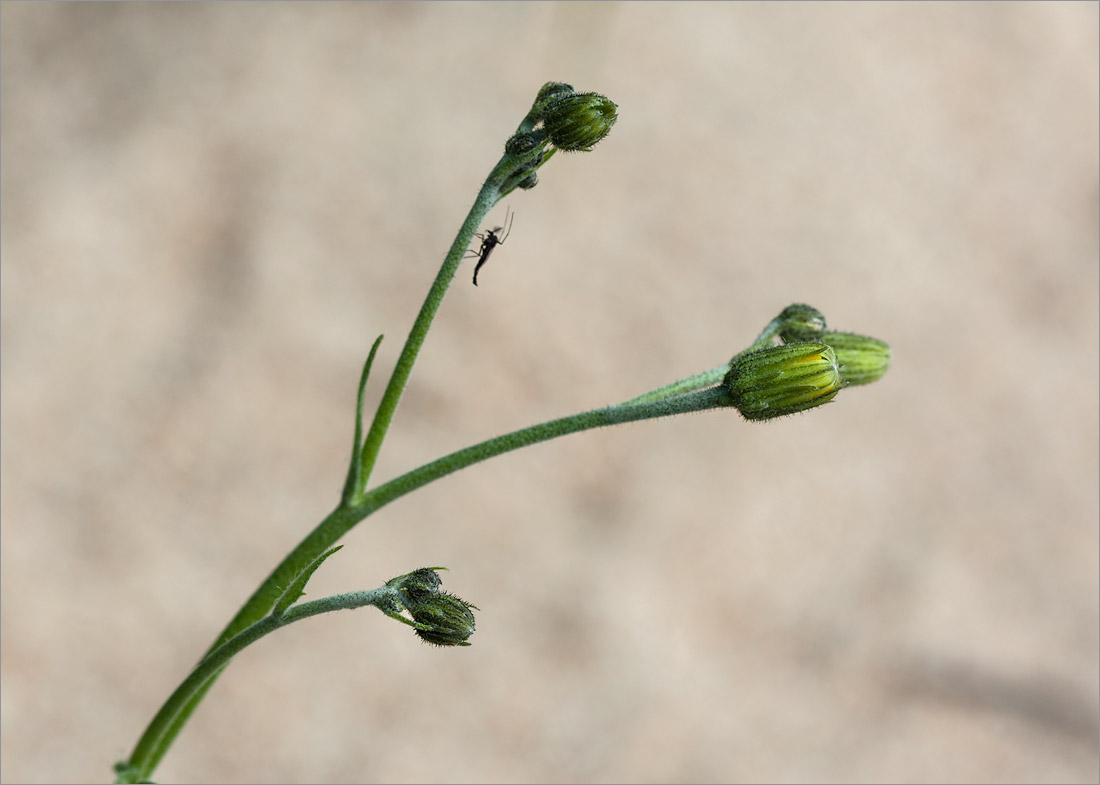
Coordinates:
(489,241)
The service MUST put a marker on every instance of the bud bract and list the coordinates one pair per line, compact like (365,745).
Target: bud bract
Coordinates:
(800,322)
(416,586)
(779,380)
(521,143)
(548,94)
(862,360)
(578,122)
(553,90)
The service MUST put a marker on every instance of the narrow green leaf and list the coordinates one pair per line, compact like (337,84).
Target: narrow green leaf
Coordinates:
(297,587)
(350,489)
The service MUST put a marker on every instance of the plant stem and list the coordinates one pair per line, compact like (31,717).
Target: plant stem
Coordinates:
(700,400)
(168,722)
(151,748)
(489,195)
(686,385)
(576,127)
(342,519)
(201,678)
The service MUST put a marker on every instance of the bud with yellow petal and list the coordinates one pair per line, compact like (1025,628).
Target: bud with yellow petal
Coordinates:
(779,380)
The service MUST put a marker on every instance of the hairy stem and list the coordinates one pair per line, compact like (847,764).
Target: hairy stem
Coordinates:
(686,385)
(341,520)
(141,763)
(162,731)
(491,193)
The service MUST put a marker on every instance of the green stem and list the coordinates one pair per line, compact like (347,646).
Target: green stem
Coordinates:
(140,766)
(686,385)
(387,407)
(501,179)
(494,189)
(162,731)
(700,400)
(342,519)
(166,726)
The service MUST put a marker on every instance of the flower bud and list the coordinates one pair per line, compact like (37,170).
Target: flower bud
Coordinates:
(441,618)
(862,360)
(800,322)
(450,620)
(578,122)
(779,380)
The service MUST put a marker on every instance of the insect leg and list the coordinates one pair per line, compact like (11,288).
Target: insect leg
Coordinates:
(508,219)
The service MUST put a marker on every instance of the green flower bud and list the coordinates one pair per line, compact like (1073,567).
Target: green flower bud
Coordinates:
(440,618)
(779,380)
(862,360)
(528,182)
(800,322)
(449,618)
(578,122)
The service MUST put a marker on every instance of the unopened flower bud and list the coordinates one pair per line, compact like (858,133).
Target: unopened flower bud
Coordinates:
(862,360)
(800,322)
(779,380)
(449,618)
(441,618)
(578,122)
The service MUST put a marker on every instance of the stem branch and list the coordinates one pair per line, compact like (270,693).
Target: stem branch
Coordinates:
(249,623)
(202,677)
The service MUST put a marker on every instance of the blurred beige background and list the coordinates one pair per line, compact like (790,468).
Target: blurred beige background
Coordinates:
(210,211)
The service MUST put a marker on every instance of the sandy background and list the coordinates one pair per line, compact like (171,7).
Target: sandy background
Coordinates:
(210,211)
